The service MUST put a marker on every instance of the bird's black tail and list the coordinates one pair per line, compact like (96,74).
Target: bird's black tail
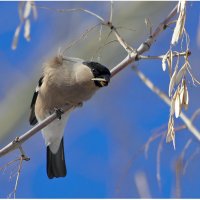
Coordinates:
(56,162)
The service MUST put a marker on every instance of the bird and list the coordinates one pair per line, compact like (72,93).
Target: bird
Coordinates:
(64,81)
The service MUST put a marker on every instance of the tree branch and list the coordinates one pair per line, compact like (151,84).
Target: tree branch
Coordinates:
(13,193)
(20,140)
(132,57)
(166,99)
(145,46)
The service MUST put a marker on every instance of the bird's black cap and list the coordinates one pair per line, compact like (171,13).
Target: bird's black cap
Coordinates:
(99,71)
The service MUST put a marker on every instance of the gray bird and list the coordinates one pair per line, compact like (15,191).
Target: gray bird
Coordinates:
(65,81)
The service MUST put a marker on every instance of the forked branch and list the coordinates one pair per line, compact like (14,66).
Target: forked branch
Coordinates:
(133,56)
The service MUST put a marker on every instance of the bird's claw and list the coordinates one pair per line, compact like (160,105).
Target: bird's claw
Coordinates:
(59,112)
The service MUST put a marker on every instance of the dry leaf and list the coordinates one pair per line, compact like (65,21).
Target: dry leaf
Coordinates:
(177,104)
(172,108)
(27,27)
(181,73)
(15,38)
(27,9)
(172,83)
(170,133)
(171,58)
(182,94)
(164,65)
(180,24)
(169,65)
(185,97)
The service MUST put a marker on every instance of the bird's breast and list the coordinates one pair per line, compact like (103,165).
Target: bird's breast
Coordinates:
(58,94)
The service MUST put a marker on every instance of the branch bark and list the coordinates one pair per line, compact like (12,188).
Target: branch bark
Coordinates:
(132,57)
(20,140)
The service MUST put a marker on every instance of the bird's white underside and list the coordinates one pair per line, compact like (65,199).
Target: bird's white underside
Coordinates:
(53,133)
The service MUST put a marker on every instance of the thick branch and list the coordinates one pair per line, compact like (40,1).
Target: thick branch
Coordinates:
(16,143)
(145,46)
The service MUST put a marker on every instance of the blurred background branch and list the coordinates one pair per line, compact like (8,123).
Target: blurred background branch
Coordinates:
(118,140)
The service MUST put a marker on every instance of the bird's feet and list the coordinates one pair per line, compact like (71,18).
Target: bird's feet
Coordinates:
(59,112)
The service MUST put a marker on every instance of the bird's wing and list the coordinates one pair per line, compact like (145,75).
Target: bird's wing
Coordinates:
(32,118)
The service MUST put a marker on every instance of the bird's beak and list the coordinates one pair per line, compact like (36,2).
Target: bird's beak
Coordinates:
(104,80)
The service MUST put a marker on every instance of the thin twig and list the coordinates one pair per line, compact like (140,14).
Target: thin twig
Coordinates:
(194,80)
(145,46)
(142,185)
(111,10)
(188,143)
(3,168)
(73,10)
(158,177)
(129,165)
(175,54)
(83,35)
(179,169)
(124,28)
(144,148)
(100,32)
(149,25)
(157,135)
(18,174)
(17,179)
(149,141)
(195,153)
(195,115)
(121,40)
(165,98)
(98,51)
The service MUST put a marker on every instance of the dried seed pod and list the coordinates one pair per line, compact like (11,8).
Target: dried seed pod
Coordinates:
(181,73)
(172,108)
(177,103)
(172,82)
(171,57)
(170,133)
(181,94)
(169,61)
(27,27)
(180,24)
(185,96)
(15,38)
(27,9)
(164,65)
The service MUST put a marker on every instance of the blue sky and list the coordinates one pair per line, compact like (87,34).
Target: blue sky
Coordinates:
(103,139)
